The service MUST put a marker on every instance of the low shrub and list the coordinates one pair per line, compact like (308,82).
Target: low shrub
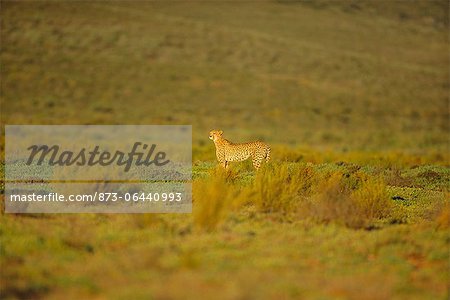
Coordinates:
(443,217)
(348,197)
(339,199)
(281,188)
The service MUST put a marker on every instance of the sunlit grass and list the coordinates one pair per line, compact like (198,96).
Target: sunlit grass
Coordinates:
(352,96)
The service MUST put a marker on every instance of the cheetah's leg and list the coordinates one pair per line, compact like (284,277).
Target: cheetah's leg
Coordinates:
(256,162)
(225,164)
(267,154)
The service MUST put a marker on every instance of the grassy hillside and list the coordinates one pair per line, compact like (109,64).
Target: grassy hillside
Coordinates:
(351,95)
(322,74)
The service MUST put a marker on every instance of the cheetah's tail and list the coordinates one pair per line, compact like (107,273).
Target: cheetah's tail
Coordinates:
(267,154)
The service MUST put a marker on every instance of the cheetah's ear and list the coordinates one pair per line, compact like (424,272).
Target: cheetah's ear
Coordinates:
(220,132)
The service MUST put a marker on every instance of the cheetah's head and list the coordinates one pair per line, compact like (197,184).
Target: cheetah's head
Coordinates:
(215,134)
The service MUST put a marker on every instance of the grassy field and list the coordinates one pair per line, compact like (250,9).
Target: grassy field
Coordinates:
(351,95)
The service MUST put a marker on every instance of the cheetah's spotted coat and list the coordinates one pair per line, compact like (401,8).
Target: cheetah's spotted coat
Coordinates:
(227,151)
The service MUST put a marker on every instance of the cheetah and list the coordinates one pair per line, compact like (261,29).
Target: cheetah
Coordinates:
(227,151)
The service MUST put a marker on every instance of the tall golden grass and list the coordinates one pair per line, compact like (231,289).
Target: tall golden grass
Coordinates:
(348,201)
(281,188)
(354,200)
(213,197)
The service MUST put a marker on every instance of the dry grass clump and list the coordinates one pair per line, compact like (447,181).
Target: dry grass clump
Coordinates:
(372,199)
(443,217)
(281,188)
(395,178)
(439,212)
(274,189)
(354,201)
(213,197)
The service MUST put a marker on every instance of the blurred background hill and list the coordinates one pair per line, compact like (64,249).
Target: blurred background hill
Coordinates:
(364,75)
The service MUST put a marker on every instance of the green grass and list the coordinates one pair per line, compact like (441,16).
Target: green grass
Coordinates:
(240,261)
(243,243)
(352,96)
